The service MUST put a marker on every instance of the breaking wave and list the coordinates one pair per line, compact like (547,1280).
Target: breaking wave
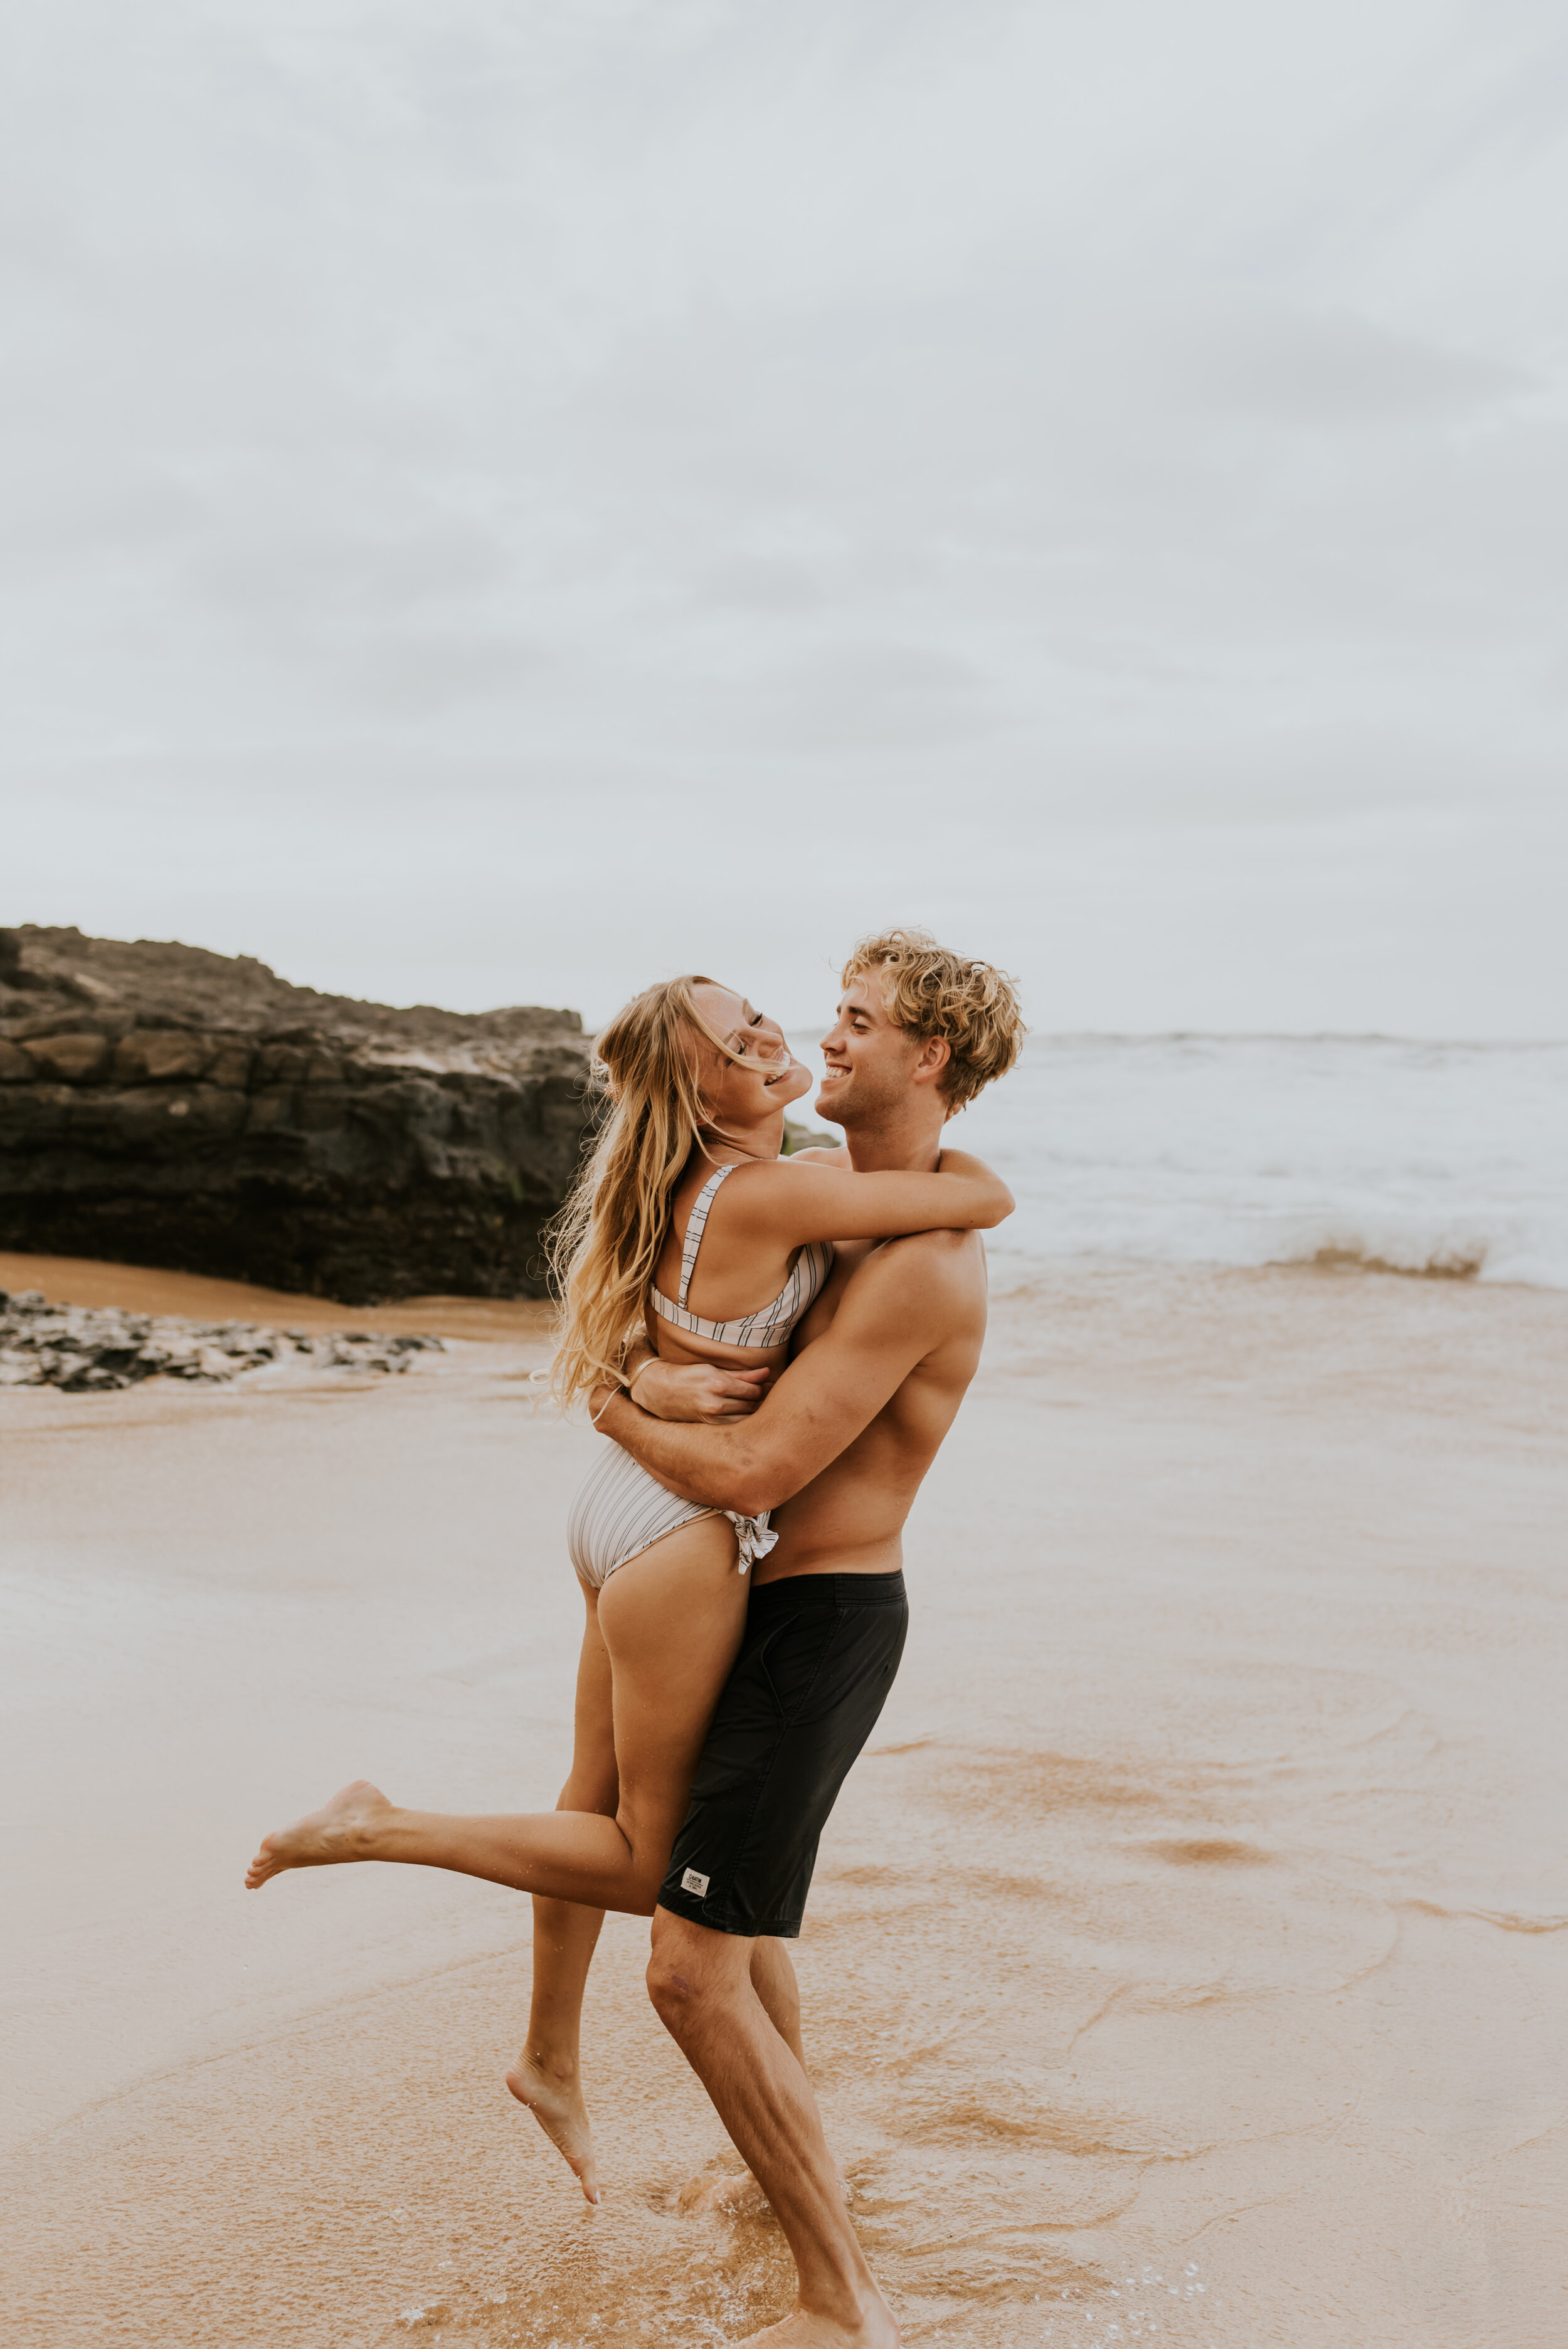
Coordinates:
(1437,1161)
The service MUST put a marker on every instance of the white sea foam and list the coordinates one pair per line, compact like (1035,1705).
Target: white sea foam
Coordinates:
(1421,1157)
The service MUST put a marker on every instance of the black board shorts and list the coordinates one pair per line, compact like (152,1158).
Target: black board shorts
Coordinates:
(816,1663)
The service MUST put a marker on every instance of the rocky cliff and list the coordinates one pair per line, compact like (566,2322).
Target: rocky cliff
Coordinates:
(162,1105)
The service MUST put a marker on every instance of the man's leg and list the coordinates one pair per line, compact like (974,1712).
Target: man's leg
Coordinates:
(773,1979)
(701,1983)
(819,1657)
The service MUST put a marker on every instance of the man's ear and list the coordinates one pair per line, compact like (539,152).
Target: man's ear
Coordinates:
(935,1055)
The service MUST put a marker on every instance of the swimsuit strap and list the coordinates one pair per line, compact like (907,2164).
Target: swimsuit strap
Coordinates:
(695,1222)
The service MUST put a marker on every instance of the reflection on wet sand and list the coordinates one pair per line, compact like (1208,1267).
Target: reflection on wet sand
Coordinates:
(1184,1964)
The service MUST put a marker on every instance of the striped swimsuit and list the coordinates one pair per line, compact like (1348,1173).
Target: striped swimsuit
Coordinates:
(620,1510)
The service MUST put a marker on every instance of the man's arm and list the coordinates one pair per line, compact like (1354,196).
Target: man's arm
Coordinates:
(895,1307)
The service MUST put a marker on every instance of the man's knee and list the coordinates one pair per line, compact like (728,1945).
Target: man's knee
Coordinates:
(672,1992)
(689,1972)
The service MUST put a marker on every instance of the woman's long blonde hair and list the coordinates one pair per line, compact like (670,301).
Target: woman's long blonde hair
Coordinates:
(605,1243)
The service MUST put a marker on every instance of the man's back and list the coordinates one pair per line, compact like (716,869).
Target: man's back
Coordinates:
(920,1302)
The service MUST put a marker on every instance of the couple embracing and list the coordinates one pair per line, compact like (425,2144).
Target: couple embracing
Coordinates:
(774,1349)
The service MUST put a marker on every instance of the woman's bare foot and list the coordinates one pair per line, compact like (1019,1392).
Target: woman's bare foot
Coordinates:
(557,2105)
(343,1829)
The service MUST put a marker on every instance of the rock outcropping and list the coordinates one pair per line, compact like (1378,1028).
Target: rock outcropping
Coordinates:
(162,1105)
(92,1352)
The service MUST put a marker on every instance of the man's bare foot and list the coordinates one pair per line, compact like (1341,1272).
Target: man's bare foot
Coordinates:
(877,2328)
(557,2105)
(342,1830)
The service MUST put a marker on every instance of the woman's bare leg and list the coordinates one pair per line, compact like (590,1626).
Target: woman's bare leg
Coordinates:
(547,2075)
(671,1621)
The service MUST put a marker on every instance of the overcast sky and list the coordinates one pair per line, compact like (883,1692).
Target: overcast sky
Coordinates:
(506,498)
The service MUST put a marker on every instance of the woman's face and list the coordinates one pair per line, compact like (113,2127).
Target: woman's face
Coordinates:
(767,1077)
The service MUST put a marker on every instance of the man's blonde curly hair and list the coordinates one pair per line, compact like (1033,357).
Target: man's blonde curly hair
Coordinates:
(929,991)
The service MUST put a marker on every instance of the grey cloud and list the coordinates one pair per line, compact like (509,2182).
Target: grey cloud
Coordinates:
(553,425)
(1335,368)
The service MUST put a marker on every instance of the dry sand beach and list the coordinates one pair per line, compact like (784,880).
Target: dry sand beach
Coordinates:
(1186,1961)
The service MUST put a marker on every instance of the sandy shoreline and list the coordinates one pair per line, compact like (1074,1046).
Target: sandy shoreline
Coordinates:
(1196,1917)
(76,1280)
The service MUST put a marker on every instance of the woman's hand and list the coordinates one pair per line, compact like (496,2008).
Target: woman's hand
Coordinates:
(698,1391)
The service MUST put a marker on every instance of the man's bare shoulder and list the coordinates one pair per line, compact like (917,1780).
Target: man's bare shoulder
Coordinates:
(936,1278)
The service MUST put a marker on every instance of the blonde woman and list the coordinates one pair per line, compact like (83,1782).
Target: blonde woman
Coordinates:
(689,1240)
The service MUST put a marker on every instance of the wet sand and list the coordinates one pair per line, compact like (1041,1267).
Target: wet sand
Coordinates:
(1189,1954)
(134,1289)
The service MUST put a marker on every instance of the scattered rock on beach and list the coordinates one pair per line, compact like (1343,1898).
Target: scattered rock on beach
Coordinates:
(162,1105)
(87,1349)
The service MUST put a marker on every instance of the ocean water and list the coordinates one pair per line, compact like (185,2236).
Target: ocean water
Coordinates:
(1419,1157)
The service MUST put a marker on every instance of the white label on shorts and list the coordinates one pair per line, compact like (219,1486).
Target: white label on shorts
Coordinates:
(692,1882)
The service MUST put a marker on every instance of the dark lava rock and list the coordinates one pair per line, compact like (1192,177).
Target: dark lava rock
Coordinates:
(162,1105)
(87,1351)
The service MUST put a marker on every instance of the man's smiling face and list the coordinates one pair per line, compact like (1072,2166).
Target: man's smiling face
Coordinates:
(869,1062)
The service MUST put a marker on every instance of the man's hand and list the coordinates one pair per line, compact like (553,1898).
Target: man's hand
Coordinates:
(699,1391)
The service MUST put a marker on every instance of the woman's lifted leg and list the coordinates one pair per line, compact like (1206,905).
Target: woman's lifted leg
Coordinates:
(671,1621)
(658,1648)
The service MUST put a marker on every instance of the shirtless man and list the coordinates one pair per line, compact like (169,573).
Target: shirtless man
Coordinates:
(838,1450)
